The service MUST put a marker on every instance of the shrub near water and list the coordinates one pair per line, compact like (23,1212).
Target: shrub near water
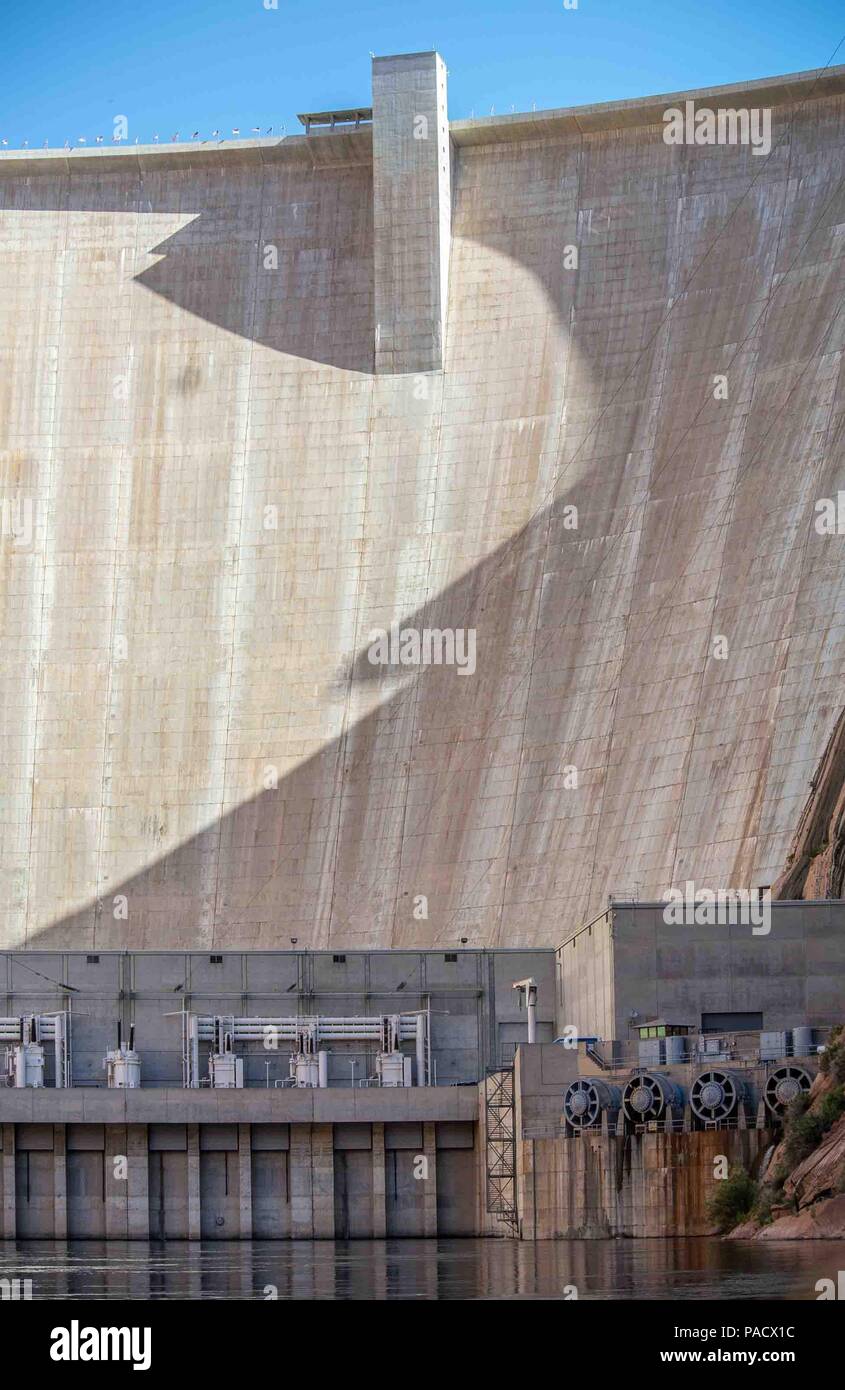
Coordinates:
(832,1060)
(733,1199)
(805,1128)
(803,1131)
(805,1125)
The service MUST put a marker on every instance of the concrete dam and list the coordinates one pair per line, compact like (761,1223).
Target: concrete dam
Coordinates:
(261,400)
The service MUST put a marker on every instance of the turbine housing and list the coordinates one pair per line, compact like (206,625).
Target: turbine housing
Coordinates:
(648,1095)
(784,1085)
(585,1099)
(716,1095)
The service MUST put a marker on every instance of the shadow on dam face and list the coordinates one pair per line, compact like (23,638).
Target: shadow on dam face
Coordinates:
(265,289)
(416,770)
(275,253)
(591,644)
(422,748)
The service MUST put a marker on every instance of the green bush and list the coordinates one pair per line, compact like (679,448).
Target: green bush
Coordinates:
(805,1128)
(831,1107)
(767,1196)
(832,1060)
(837,1065)
(732,1200)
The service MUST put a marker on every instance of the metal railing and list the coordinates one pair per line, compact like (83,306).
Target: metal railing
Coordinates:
(740,1049)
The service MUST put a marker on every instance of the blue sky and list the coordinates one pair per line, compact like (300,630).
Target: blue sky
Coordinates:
(69,67)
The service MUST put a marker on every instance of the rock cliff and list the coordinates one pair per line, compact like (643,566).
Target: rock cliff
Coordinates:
(802,1195)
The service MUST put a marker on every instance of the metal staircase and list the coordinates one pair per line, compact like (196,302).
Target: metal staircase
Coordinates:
(500,1146)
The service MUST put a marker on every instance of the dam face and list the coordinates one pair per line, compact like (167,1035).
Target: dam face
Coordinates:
(544,379)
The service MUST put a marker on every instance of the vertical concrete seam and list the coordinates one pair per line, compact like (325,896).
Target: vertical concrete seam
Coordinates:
(437,452)
(754,336)
(245,444)
(48,550)
(542,561)
(115,584)
(658,347)
(345,729)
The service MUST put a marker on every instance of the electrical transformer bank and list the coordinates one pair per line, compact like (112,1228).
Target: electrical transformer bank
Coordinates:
(25,1061)
(28,1054)
(400,1044)
(225,1068)
(122,1064)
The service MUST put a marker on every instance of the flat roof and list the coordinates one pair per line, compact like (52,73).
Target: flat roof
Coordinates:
(331,118)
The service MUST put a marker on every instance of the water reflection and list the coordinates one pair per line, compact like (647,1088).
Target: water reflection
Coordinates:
(419,1269)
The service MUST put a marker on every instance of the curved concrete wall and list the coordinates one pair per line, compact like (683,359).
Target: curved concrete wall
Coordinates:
(226,500)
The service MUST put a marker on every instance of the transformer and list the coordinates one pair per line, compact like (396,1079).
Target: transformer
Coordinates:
(310,1069)
(225,1071)
(123,1064)
(393,1069)
(25,1065)
(25,1061)
(26,1057)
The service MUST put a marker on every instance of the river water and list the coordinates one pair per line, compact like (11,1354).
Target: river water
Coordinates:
(423,1269)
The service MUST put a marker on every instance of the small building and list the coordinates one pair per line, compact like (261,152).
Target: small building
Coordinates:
(632,969)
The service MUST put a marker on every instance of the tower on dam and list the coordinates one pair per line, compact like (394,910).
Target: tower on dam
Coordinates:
(411,528)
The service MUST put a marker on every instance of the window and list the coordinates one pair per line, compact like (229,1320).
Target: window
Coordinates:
(215,960)
(451,957)
(338,960)
(92,960)
(731,1023)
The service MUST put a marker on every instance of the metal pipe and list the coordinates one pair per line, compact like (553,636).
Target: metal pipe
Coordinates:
(420,1032)
(528,988)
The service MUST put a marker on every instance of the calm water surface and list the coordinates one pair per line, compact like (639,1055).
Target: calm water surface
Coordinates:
(418,1269)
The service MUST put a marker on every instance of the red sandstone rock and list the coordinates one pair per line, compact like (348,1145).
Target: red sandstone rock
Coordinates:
(824,1221)
(820,1174)
(746,1230)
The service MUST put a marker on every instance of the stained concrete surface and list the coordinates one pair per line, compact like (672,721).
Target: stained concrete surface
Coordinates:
(190,721)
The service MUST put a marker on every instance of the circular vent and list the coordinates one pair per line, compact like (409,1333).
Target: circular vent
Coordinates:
(584,1100)
(647,1096)
(785,1085)
(715,1095)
